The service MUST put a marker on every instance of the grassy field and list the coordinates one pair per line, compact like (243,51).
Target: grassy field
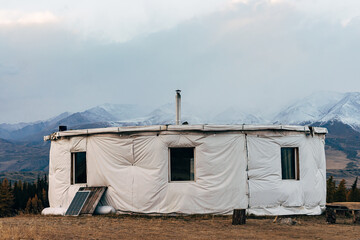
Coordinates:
(188,227)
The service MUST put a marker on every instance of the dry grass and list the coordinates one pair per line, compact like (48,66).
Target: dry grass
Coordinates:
(350,205)
(190,227)
(336,159)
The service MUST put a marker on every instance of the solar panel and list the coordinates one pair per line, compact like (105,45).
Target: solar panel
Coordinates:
(77,203)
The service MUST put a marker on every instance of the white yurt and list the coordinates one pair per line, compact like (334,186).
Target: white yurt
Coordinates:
(193,169)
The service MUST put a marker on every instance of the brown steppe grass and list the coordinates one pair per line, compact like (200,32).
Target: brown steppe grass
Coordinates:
(181,227)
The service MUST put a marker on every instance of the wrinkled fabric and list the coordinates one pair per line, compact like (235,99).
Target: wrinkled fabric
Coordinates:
(232,171)
(269,193)
(136,171)
(53,211)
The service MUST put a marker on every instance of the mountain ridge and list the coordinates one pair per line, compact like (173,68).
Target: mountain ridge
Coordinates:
(22,147)
(319,107)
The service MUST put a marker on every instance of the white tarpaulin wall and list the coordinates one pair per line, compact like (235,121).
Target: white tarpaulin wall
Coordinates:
(136,171)
(269,194)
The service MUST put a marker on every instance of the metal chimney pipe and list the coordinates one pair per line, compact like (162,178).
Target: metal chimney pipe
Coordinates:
(178,107)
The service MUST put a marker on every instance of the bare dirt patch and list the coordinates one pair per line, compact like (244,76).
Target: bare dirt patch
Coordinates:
(190,227)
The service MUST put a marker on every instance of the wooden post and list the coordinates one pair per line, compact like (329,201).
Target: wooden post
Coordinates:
(356,216)
(330,215)
(239,217)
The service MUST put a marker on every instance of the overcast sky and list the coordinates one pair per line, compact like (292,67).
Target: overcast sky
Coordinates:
(58,56)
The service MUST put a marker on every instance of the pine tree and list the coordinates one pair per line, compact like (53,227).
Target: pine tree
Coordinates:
(6,199)
(34,204)
(330,189)
(28,208)
(354,195)
(340,193)
(45,198)
(40,206)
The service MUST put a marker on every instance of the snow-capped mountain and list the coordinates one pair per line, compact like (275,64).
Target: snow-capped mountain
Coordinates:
(322,108)
(194,115)
(165,114)
(116,112)
(339,112)
(319,108)
(347,111)
(235,115)
(100,116)
(310,109)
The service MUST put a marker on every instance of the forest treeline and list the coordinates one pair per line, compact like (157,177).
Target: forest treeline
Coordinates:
(339,193)
(23,197)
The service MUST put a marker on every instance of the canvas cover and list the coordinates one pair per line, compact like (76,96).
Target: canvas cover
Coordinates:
(269,194)
(232,170)
(135,169)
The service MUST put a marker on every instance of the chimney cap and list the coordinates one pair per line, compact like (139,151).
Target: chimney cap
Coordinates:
(62,128)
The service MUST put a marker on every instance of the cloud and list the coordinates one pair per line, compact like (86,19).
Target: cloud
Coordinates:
(8,70)
(256,55)
(110,21)
(345,22)
(10,17)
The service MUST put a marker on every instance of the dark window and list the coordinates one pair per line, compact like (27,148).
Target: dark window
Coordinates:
(182,164)
(290,163)
(78,167)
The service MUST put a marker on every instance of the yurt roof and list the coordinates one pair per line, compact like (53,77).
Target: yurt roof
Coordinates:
(187,128)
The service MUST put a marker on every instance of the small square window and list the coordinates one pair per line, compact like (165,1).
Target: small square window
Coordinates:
(181,164)
(290,163)
(78,168)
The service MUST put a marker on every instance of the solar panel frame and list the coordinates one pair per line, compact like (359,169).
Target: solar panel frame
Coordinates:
(77,203)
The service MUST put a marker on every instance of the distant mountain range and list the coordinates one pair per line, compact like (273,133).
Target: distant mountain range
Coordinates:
(317,108)
(100,116)
(324,107)
(22,147)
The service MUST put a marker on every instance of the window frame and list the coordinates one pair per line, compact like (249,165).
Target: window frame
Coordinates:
(296,165)
(72,168)
(169,166)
